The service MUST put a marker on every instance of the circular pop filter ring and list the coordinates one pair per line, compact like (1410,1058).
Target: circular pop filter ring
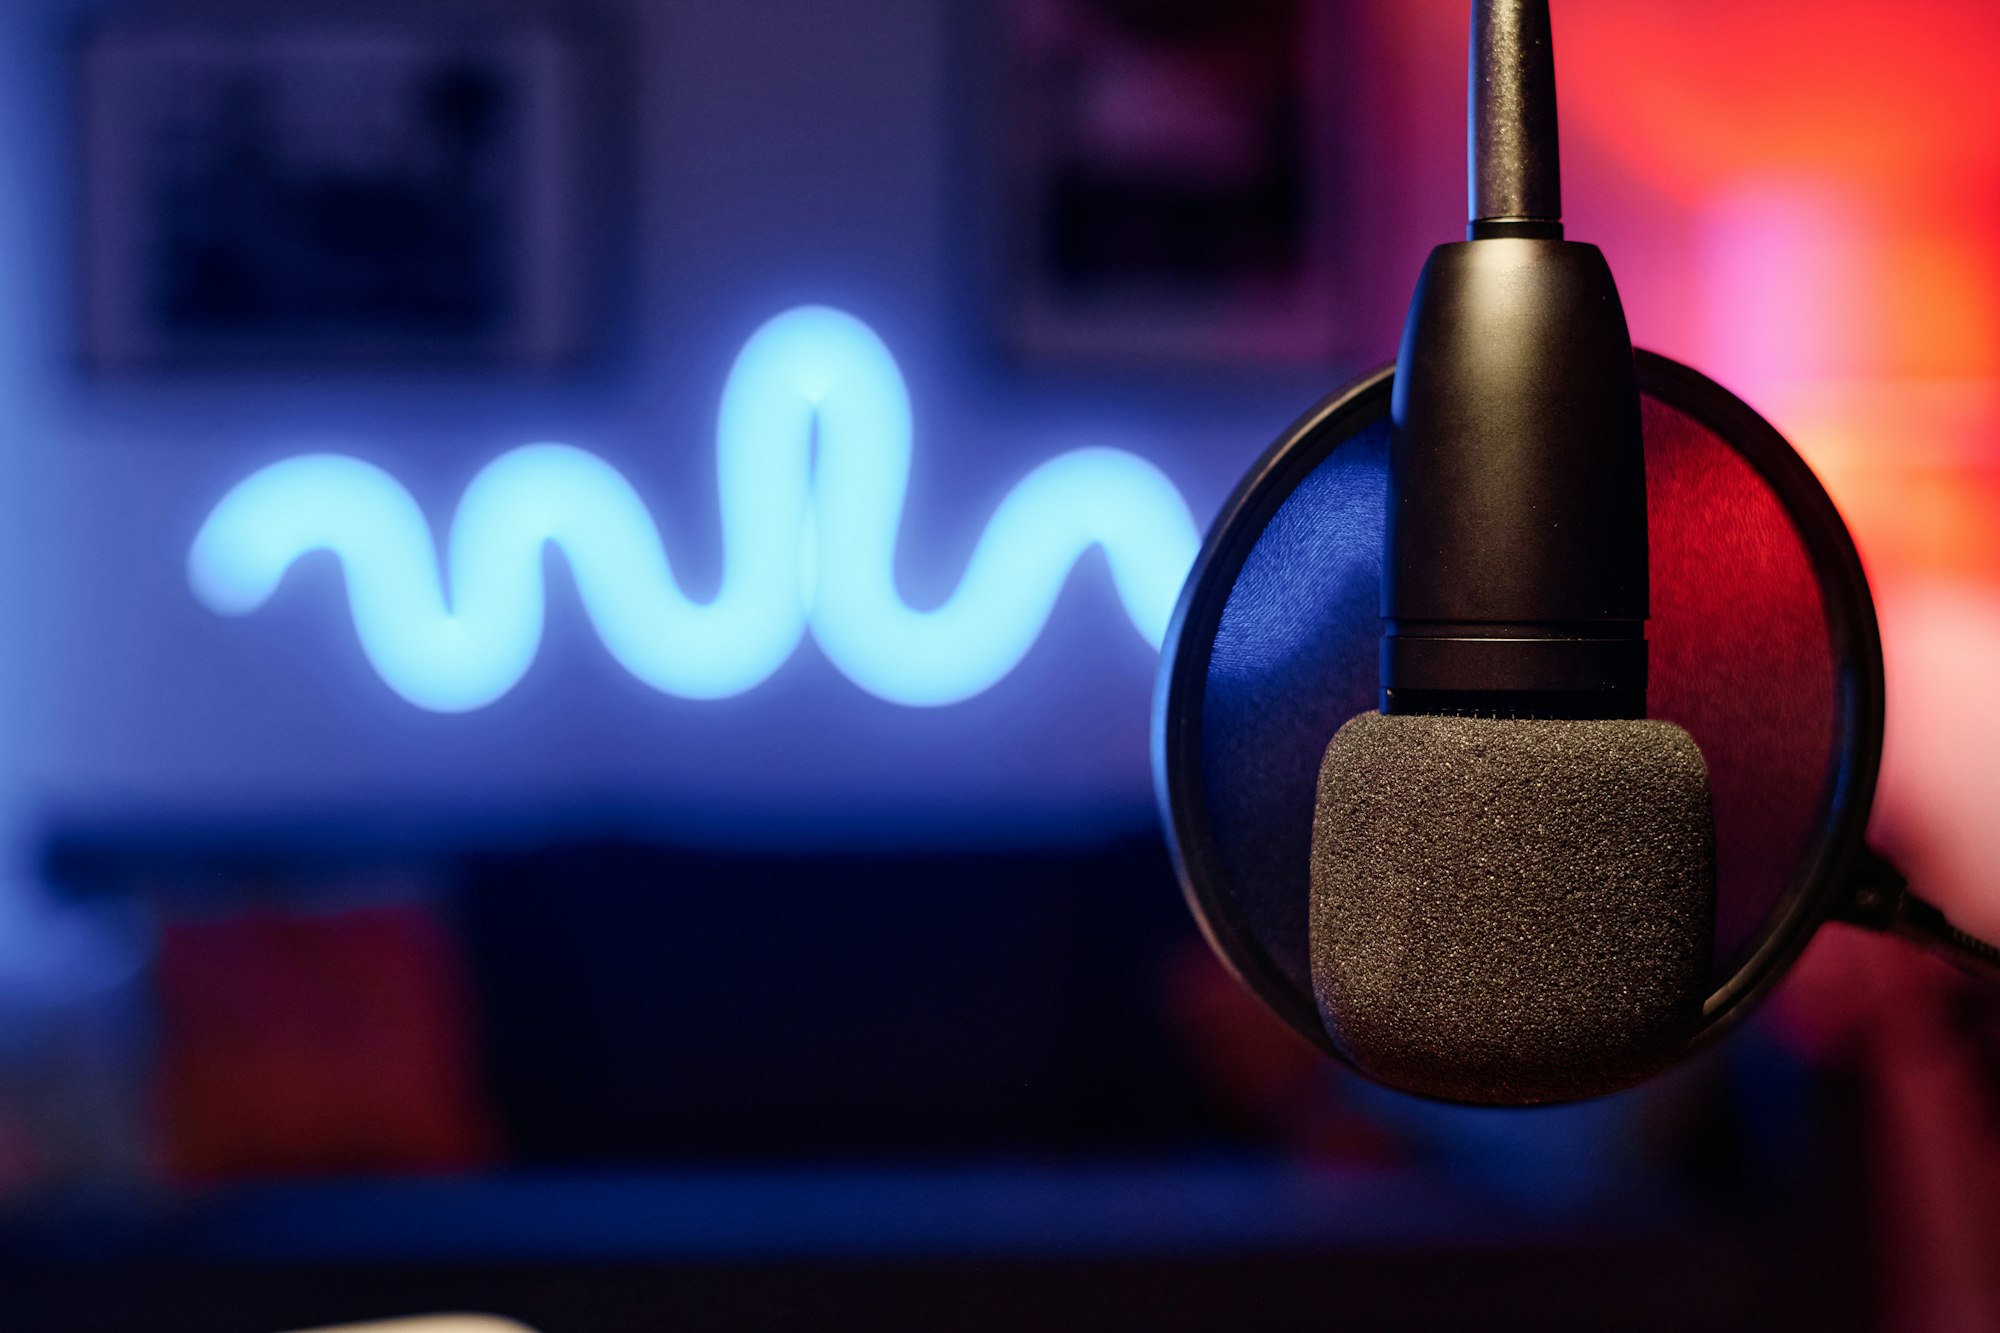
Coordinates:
(1820,884)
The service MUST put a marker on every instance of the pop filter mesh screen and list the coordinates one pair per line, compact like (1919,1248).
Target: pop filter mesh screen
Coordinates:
(1742,657)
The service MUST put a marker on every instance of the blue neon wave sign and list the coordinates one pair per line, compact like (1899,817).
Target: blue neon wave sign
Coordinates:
(813,450)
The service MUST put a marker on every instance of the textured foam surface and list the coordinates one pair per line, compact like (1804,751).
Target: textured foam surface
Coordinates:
(1511,912)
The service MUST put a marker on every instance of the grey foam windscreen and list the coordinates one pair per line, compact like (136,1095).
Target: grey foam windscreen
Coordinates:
(1511,912)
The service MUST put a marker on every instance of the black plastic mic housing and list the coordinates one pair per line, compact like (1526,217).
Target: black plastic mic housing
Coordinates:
(1515,582)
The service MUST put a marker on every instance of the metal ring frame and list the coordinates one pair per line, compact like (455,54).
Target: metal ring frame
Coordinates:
(1824,879)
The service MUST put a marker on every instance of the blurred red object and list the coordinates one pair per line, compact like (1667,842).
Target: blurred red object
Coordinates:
(298,1044)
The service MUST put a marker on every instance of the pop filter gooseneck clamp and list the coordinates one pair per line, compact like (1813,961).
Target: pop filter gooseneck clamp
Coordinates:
(1880,900)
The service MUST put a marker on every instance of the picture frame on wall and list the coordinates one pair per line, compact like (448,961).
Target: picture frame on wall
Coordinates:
(1171,186)
(328,192)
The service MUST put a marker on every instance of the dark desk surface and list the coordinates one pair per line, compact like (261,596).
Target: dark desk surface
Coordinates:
(1224,1244)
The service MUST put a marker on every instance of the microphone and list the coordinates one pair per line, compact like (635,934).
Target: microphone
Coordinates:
(1512,871)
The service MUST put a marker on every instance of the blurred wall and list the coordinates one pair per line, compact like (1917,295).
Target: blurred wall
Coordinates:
(1804,210)
(778,154)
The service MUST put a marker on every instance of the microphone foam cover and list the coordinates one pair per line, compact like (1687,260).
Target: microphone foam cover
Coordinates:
(1511,911)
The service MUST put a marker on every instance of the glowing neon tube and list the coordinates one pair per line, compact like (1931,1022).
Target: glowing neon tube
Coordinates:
(813,455)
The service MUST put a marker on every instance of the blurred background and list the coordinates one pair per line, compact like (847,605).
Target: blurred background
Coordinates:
(604,1009)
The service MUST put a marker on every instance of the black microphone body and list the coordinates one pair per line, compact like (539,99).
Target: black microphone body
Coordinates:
(1514,582)
(1512,877)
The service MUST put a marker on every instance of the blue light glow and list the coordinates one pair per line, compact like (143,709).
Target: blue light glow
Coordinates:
(809,536)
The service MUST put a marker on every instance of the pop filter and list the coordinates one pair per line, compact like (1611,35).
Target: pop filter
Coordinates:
(1764,648)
